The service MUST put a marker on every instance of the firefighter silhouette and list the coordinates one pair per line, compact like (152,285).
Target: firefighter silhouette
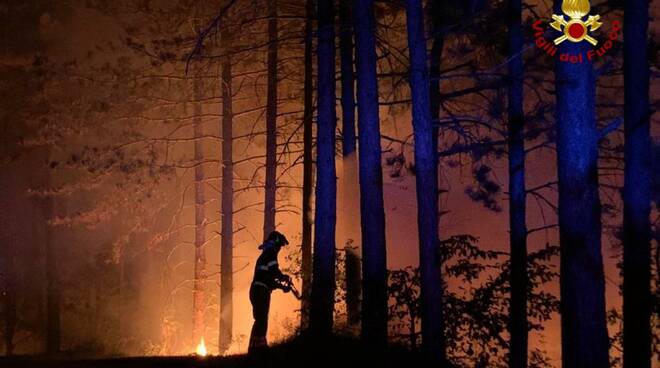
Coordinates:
(267,277)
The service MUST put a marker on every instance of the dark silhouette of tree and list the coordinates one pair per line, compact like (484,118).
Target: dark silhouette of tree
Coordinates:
(637,301)
(438,37)
(227,199)
(517,194)
(582,281)
(271,121)
(353,284)
(476,317)
(372,214)
(53,286)
(349,175)
(308,167)
(426,169)
(403,288)
(8,293)
(350,184)
(323,282)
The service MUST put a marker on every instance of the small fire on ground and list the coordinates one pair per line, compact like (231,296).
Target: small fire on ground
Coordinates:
(201,348)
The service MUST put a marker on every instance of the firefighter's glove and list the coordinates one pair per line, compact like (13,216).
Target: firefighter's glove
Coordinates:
(285,279)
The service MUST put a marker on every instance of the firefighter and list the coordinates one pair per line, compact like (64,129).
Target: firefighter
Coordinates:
(267,277)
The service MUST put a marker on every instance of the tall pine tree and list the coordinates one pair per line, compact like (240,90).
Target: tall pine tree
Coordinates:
(517,196)
(372,214)
(582,280)
(271,121)
(426,168)
(637,302)
(323,283)
(227,200)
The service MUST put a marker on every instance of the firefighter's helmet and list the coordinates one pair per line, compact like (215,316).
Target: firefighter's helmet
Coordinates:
(277,238)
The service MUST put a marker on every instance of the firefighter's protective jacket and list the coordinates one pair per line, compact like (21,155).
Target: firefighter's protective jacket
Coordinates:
(267,271)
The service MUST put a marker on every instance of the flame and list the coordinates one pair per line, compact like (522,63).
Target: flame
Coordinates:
(201,348)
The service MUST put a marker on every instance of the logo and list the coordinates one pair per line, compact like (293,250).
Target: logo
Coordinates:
(574,29)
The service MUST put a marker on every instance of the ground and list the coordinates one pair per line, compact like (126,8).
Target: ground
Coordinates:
(336,353)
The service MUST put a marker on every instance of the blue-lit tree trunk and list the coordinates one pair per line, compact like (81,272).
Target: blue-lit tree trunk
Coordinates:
(226,202)
(426,166)
(308,170)
(372,214)
(582,282)
(323,282)
(271,122)
(349,177)
(517,224)
(438,37)
(637,301)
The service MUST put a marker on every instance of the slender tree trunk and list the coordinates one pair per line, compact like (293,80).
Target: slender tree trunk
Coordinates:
(413,331)
(637,300)
(372,214)
(271,122)
(517,224)
(53,333)
(582,282)
(227,203)
(199,297)
(349,178)
(353,287)
(121,295)
(437,46)
(8,289)
(427,186)
(323,283)
(308,169)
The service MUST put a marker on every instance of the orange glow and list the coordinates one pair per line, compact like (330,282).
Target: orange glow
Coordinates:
(201,349)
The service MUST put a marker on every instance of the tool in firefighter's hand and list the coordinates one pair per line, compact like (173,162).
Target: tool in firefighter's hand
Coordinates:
(287,285)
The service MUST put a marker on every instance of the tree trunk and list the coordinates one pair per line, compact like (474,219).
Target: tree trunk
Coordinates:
(200,221)
(349,178)
(227,203)
(323,283)
(372,214)
(582,283)
(436,106)
(121,295)
(53,291)
(517,224)
(426,159)
(637,300)
(413,330)
(353,287)
(8,292)
(271,122)
(308,170)
(436,58)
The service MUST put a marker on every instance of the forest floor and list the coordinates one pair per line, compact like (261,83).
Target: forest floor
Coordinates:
(299,353)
